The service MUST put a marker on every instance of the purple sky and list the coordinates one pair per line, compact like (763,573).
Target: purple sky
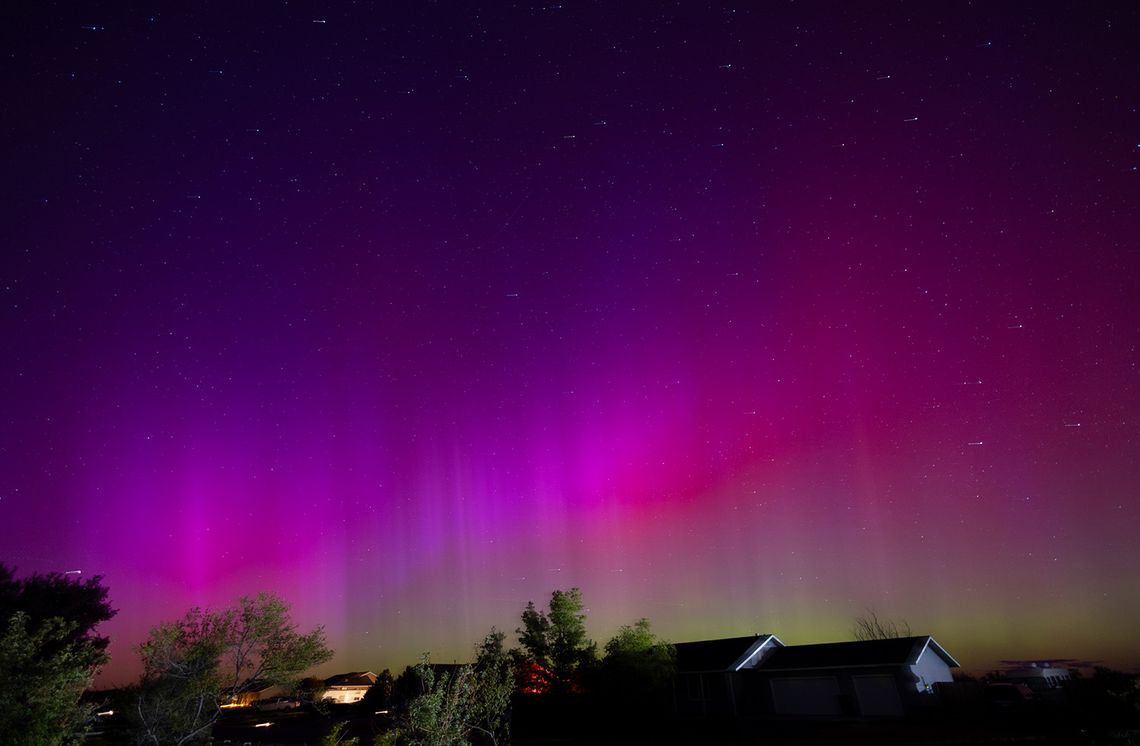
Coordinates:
(739,318)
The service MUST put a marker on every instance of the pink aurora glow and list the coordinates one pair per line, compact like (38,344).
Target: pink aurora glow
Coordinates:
(737,348)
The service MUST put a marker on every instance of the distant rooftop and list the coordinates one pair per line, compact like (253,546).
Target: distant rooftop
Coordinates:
(355,678)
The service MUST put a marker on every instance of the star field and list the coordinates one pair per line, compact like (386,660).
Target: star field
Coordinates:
(741,318)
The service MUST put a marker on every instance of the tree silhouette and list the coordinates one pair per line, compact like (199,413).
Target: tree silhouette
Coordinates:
(637,670)
(49,654)
(194,665)
(556,641)
(455,705)
(868,626)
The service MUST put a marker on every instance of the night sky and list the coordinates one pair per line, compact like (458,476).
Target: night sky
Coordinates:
(741,318)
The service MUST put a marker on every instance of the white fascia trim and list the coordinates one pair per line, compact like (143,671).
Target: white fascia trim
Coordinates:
(925,645)
(761,646)
(939,649)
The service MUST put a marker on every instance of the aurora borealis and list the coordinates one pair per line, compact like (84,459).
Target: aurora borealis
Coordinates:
(741,318)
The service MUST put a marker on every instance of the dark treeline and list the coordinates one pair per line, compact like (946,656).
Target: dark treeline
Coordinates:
(555,683)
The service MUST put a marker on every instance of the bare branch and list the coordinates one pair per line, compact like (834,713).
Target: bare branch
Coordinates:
(869,626)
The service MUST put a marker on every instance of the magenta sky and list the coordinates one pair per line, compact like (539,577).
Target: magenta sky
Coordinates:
(742,319)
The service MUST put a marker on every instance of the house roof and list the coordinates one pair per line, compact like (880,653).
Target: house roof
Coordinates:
(256,685)
(354,678)
(899,651)
(728,654)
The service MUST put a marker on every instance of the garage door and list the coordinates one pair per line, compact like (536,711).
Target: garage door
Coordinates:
(878,696)
(808,695)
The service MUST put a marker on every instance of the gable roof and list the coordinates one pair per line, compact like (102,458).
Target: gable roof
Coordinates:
(354,678)
(728,654)
(254,686)
(898,651)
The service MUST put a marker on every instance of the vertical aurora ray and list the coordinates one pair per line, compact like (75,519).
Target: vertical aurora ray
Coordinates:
(751,322)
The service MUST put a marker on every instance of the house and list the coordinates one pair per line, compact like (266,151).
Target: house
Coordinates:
(346,688)
(709,673)
(252,691)
(871,678)
(1038,676)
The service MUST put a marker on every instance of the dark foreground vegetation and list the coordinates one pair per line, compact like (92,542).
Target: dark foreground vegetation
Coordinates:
(1093,715)
(556,687)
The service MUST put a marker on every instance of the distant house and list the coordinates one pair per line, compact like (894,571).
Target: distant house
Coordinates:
(346,688)
(1039,677)
(872,678)
(252,691)
(709,673)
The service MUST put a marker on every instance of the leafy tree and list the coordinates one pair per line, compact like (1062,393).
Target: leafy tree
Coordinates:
(58,596)
(494,685)
(557,641)
(637,669)
(49,654)
(194,665)
(455,705)
(868,626)
(534,635)
(436,716)
(637,649)
(569,646)
(407,687)
(311,689)
(337,736)
(379,695)
(44,676)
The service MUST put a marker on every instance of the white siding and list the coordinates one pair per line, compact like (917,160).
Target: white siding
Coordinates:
(930,669)
(345,696)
